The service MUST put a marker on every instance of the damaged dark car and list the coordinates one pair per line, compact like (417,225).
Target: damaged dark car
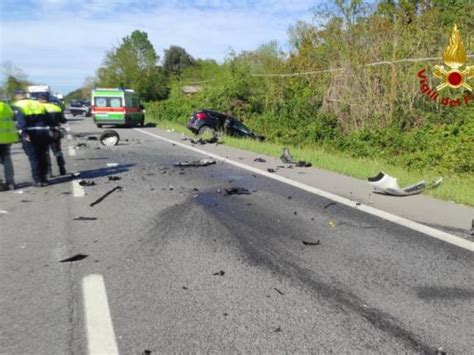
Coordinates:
(211,121)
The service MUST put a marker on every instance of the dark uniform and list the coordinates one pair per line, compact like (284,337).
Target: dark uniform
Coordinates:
(57,117)
(34,124)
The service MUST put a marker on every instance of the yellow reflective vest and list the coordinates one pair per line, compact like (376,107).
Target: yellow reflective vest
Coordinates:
(51,108)
(8,131)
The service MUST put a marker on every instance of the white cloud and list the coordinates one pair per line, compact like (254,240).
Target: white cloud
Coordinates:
(68,43)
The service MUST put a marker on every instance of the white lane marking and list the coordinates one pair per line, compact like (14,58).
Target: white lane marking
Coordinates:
(432,232)
(77,190)
(71,151)
(100,330)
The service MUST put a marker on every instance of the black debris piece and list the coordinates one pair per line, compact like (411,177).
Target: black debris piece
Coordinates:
(65,193)
(87,183)
(237,191)
(311,243)
(105,195)
(277,330)
(259,160)
(195,189)
(295,213)
(74,258)
(270,170)
(146,352)
(92,138)
(288,159)
(85,218)
(79,145)
(472,227)
(303,164)
(195,163)
(225,314)
(289,197)
(219,273)
(185,288)
(26,201)
(277,290)
(330,204)
(114,178)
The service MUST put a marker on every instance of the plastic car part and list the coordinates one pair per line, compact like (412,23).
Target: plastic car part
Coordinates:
(109,138)
(388,185)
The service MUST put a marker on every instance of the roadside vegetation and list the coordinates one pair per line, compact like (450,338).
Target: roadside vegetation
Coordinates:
(345,95)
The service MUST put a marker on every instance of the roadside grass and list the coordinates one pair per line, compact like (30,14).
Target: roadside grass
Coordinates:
(456,188)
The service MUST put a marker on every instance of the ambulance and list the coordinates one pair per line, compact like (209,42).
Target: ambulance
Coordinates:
(116,106)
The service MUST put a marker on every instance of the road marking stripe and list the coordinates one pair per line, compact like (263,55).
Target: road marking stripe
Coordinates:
(100,330)
(71,151)
(432,232)
(77,190)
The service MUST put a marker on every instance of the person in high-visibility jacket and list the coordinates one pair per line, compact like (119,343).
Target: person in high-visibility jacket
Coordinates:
(8,136)
(57,117)
(34,124)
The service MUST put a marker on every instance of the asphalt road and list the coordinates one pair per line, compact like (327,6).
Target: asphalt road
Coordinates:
(186,268)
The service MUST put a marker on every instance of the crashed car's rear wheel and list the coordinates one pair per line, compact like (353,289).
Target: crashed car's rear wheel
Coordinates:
(206,130)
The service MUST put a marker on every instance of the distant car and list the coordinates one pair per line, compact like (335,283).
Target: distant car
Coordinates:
(212,121)
(80,107)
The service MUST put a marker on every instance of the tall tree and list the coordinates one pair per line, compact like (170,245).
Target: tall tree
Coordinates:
(176,59)
(134,65)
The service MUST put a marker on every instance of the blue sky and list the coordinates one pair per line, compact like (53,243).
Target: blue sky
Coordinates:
(61,42)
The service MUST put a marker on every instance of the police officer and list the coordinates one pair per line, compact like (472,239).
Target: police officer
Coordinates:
(57,117)
(34,123)
(8,135)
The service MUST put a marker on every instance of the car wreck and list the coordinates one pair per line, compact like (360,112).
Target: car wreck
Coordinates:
(207,121)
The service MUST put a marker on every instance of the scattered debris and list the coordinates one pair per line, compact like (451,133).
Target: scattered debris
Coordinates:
(289,197)
(332,224)
(472,227)
(74,258)
(109,138)
(195,163)
(288,159)
(114,178)
(225,314)
(79,145)
(330,204)
(105,195)
(87,183)
(260,160)
(185,288)
(388,185)
(277,330)
(270,170)
(237,191)
(277,290)
(92,138)
(85,218)
(146,352)
(219,273)
(311,243)
(112,165)
(25,201)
